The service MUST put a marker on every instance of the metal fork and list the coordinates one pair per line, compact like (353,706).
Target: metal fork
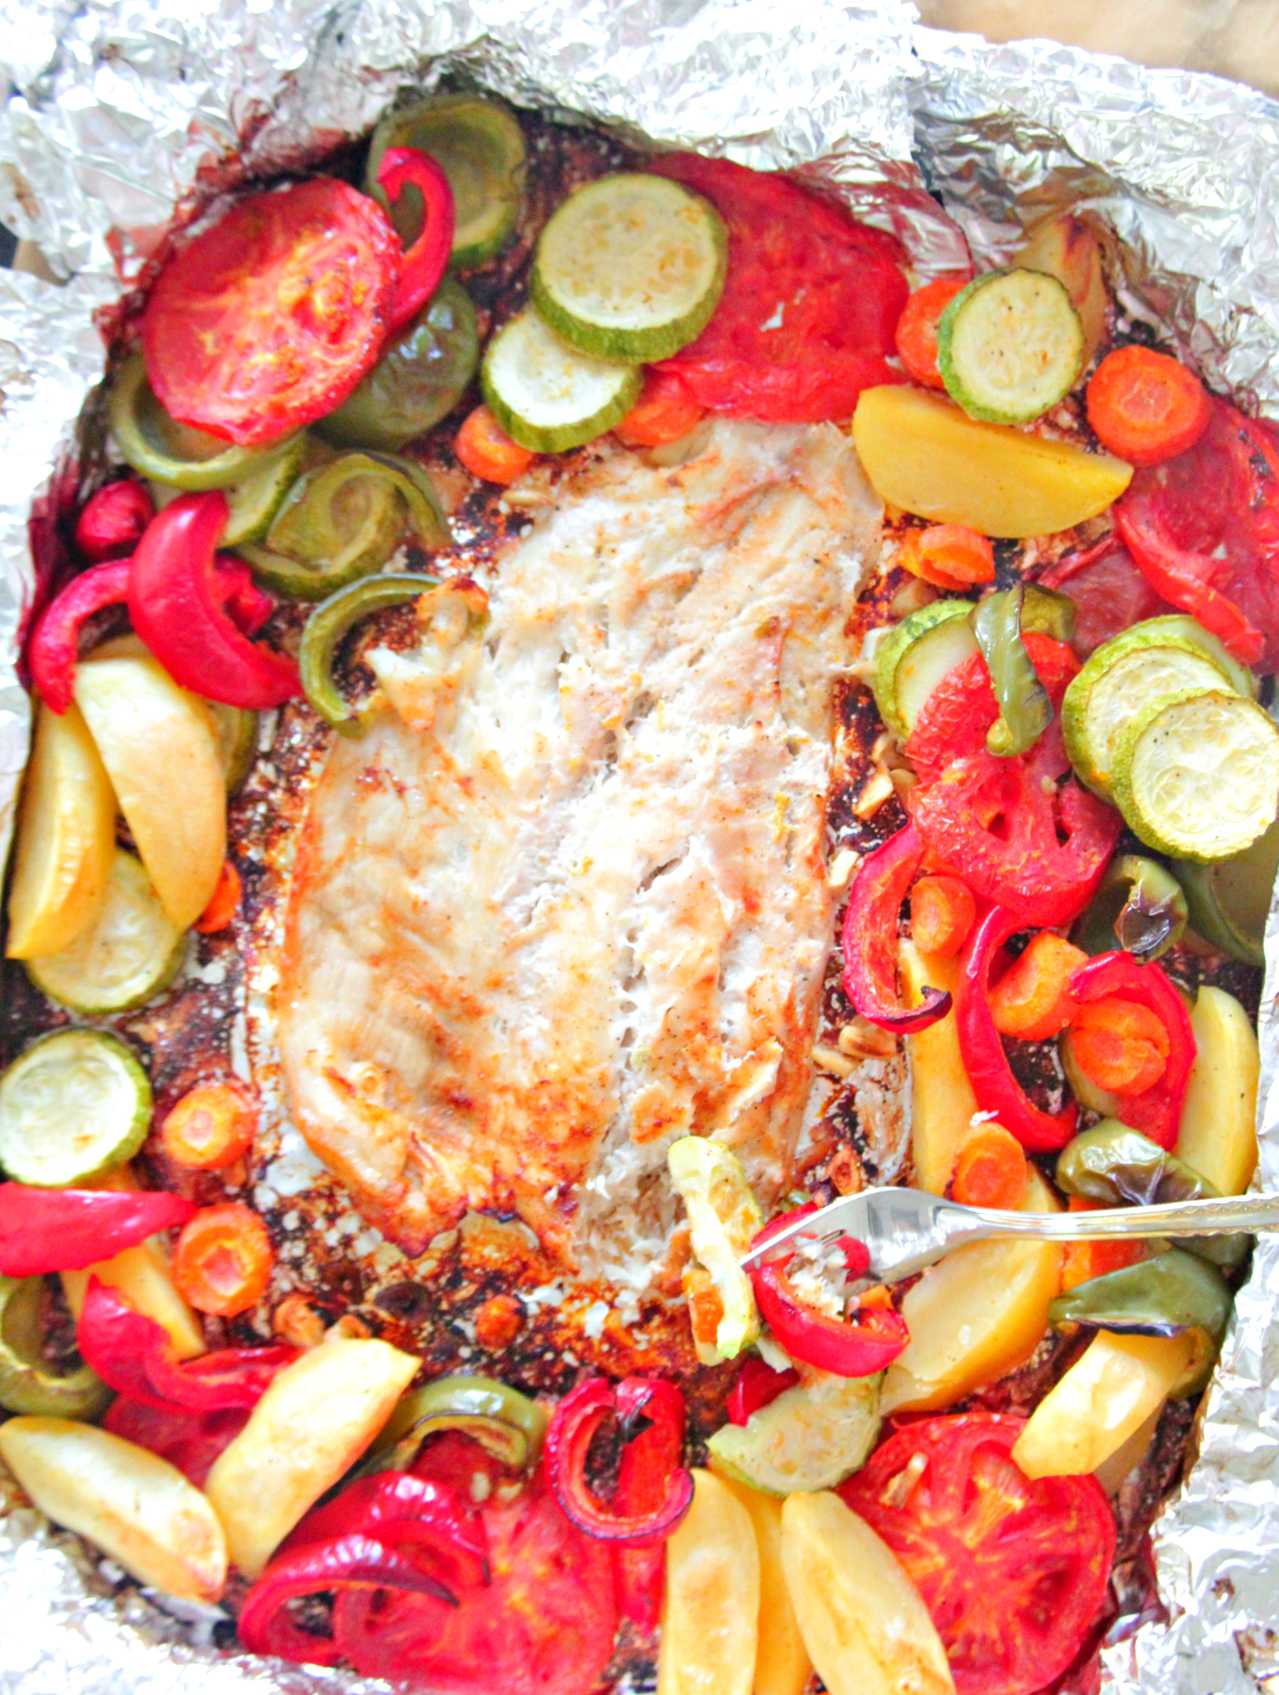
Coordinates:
(904,1230)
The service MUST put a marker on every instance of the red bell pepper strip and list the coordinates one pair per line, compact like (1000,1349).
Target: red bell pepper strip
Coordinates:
(1156,1111)
(44,1230)
(757,1387)
(112,520)
(1182,576)
(403,1511)
(424,263)
(869,938)
(133,1355)
(642,1482)
(856,1346)
(985,1061)
(177,605)
(248,605)
(573,1426)
(193,1442)
(347,1562)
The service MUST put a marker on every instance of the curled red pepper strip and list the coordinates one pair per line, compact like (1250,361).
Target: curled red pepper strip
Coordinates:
(985,1061)
(52,646)
(44,1230)
(424,263)
(578,1418)
(642,1483)
(869,938)
(133,1355)
(112,520)
(857,1346)
(193,1442)
(248,605)
(177,604)
(757,1387)
(1156,1111)
(1181,576)
(402,1511)
(346,1562)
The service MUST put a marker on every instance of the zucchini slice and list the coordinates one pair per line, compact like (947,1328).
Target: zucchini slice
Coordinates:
(914,657)
(1156,657)
(73,1106)
(1009,346)
(811,1437)
(130,952)
(1197,774)
(630,267)
(724,1218)
(547,395)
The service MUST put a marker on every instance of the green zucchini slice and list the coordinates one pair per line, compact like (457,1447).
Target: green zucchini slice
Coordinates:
(1010,346)
(547,395)
(73,1106)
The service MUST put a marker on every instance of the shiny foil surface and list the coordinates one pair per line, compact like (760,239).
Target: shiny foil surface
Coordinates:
(128,118)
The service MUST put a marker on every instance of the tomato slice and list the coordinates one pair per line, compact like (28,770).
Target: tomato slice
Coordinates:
(953,721)
(269,319)
(1109,592)
(810,304)
(1013,1572)
(544,1626)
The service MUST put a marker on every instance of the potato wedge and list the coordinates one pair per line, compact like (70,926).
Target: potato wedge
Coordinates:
(136,1507)
(977,1315)
(1110,1391)
(1217,1136)
(710,1614)
(782,1665)
(65,838)
(158,746)
(861,1617)
(1067,249)
(922,453)
(316,1419)
(942,1102)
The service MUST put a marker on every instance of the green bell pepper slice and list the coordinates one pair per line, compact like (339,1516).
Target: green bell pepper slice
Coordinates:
(1025,710)
(1164,1296)
(508,1424)
(1049,612)
(327,627)
(1140,905)
(159,447)
(27,1382)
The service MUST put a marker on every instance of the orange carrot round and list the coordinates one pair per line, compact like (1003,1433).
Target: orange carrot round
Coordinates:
(1082,1261)
(1032,999)
(991,1169)
(223,1259)
(487,451)
(211,1126)
(917,329)
(664,412)
(949,556)
(1119,1045)
(942,910)
(1145,406)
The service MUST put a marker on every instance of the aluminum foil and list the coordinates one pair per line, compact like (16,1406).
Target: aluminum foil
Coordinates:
(127,117)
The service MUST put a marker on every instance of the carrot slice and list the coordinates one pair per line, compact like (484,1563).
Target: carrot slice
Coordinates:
(664,412)
(223,903)
(942,910)
(1082,1261)
(1032,999)
(487,451)
(917,328)
(1145,406)
(211,1126)
(949,556)
(1119,1045)
(222,1263)
(991,1169)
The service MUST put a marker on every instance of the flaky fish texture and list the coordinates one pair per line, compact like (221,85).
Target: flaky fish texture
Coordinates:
(565,899)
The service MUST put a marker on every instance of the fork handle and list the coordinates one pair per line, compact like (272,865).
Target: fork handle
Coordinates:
(1217,1217)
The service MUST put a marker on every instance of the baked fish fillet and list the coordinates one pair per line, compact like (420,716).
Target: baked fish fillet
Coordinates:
(565,899)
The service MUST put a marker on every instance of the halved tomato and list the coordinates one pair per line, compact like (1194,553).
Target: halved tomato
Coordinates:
(1014,1573)
(544,1626)
(271,317)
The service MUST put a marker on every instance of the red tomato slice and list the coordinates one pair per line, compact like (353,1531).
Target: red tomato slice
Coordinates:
(953,721)
(1014,1573)
(544,1626)
(269,319)
(189,1440)
(809,308)
(1108,590)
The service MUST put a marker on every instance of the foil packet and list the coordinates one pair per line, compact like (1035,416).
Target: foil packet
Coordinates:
(127,118)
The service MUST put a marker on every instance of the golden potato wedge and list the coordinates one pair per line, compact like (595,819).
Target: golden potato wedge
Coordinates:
(942,1102)
(316,1419)
(923,454)
(782,1665)
(710,1614)
(862,1620)
(136,1507)
(1066,248)
(1217,1136)
(65,838)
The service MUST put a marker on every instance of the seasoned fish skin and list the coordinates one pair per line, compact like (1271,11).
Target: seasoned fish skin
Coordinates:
(566,899)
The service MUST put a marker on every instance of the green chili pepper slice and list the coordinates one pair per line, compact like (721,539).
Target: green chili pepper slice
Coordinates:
(1173,1292)
(424,371)
(1113,1164)
(159,447)
(27,1383)
(509,1425)
(1025,710)
(329,623)
(1049,612)
(1140,905)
